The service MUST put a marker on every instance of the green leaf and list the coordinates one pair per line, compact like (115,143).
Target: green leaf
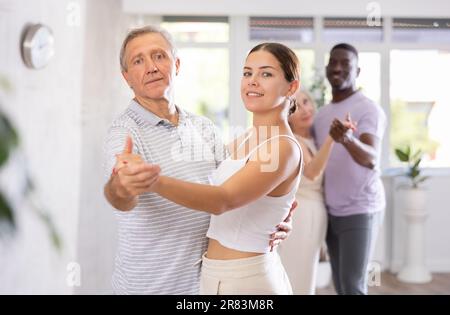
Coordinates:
(402,156)
(4,151)
(56,240)
(416,165)
(414,173)
(8,138)
(8,132)
(408,151)
(6,212)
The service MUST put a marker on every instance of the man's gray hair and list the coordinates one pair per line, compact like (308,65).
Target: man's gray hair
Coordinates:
(140,32)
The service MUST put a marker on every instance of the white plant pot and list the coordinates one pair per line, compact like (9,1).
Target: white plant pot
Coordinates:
(414,269)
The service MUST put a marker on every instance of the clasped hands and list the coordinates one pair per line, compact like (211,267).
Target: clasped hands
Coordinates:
(342,131)
(134,176)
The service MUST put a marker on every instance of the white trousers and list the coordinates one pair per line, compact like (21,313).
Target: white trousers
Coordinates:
(263,275)
(300,252)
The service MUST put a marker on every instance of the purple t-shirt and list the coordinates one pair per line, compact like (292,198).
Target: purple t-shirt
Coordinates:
(349,187)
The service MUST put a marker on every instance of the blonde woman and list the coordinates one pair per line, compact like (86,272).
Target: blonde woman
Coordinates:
(300,252)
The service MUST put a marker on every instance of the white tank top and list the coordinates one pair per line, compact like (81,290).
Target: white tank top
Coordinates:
(248,228)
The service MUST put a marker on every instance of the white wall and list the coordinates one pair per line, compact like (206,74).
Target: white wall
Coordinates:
(63,113)
(104,95)
(45,107)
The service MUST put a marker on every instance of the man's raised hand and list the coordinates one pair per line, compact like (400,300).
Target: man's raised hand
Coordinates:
(134,175)
(127,156)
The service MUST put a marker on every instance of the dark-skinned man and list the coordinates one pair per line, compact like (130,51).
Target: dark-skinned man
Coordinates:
(354,192)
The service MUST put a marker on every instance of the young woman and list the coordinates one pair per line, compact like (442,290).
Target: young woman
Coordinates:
(254,188)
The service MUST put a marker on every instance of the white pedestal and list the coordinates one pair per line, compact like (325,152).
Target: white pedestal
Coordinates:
(414,269)
(323,275)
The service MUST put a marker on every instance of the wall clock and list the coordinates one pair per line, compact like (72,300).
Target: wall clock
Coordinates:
(37,46)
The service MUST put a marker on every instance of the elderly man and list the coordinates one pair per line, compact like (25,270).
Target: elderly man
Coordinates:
(160,242)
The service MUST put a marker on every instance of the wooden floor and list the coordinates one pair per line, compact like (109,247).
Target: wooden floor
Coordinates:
(391,286)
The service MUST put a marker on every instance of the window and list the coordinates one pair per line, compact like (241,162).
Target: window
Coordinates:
(191,29)
(369,78)
(307,67)
(421,30)
(420,104)
(351,30)
(202,86)
(281,29)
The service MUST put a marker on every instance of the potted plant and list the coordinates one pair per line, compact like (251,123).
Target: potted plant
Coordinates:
(9,142)
(413,201)
(413,192)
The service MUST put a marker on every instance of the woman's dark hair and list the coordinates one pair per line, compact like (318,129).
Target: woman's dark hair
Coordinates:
(292,107)
(287,59)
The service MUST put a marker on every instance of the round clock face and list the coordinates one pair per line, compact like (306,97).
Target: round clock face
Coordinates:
(38,46)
